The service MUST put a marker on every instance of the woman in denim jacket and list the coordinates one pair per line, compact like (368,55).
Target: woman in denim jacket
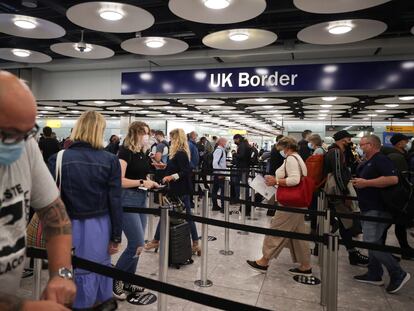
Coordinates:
(91,191)
(135,167)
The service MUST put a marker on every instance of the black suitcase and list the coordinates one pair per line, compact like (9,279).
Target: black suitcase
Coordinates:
(180,251)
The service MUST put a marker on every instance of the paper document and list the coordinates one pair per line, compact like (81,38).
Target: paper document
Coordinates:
(259,185)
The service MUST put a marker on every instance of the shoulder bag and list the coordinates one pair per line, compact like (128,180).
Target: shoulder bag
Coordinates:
(297,196)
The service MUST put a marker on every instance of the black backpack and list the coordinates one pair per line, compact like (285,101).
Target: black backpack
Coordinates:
(207,164)
(399,199)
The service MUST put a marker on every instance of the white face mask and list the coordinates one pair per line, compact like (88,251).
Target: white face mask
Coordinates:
(282,153)
(408,146)
(359,151)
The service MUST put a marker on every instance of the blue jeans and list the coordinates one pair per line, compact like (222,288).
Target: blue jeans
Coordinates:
(373,233)
(218,184)
(133,226)
(194,235)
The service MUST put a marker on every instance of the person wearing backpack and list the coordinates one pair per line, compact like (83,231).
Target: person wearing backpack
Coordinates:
(338,183)
(219,163)
(399,156)
(314,165)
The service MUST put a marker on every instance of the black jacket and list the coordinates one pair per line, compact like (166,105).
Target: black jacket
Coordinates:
(335,163)
(399,159)
(180,165)
(276,160)
(304,150)
(242,157)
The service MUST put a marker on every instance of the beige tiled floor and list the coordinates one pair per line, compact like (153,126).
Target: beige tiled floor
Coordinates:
(275,290)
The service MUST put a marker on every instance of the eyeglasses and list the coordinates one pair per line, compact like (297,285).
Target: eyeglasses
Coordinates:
(14,137)
(364,144)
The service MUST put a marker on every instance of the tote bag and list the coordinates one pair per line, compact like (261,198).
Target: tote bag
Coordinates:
(34,231)
(297,196)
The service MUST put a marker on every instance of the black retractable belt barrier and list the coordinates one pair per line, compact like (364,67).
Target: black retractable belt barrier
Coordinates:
(165,288)
(143,210)
(253,229)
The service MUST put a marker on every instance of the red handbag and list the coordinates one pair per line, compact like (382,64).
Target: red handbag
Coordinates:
(299,196)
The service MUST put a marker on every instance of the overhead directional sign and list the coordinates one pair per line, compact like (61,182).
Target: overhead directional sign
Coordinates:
(297,78)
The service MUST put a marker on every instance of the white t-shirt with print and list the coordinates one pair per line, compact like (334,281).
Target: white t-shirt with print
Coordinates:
(26,182)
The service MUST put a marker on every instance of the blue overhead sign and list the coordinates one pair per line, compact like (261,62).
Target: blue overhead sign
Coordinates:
(293,78)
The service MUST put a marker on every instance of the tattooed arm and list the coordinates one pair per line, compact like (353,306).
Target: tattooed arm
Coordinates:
(58,233)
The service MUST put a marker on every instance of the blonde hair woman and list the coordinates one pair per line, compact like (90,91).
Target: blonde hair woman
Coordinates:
(135,167)
(288,175)
(91,191)
(178,175)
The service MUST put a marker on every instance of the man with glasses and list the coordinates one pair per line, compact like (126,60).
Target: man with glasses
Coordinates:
(26,182)
(374,174)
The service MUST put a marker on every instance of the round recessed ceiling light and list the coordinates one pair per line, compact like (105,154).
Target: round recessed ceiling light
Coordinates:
(261,100)
(326,106)
(146,76)
(110,15)
(216,4)
(329,98)
(406,97)
(321,118)
(155,43)
(21,53)
(391,105)
(201,100)
(25,24)
(323,111)
(82,47)
(372,115)
(147,101)
(380,110)
(99,102)
(340,27)
(239,35)
(323,115)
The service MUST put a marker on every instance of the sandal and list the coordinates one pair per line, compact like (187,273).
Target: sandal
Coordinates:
(154,244)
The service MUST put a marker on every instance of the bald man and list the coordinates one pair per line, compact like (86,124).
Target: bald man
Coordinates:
(26,182)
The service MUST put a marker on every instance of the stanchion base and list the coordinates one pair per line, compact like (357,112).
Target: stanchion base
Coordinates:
(252,218)
(242,232)
(226,253)
(200,283)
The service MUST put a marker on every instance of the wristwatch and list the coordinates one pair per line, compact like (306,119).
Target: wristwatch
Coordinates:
(64,273)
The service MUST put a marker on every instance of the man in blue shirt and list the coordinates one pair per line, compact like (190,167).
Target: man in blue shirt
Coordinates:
(219,163)
(195,156)
(375,173)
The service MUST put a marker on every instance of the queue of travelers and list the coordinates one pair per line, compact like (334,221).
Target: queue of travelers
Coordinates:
(87,213)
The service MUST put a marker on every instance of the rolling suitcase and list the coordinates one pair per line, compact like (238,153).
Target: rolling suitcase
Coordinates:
(180,251)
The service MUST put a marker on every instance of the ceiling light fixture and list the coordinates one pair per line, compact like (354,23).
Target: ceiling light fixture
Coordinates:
(239,35)
(329,98)
(24,24)
(323,111)
(372,115)
(155,43)
(405,98)
(261,100)
(380,110)
(82,47)
(201,100)
(147,101)
(391,105)
(326,106)
(340,27)
(323,115)
(99,102)
(216,4)
(111,15)
(21,53)
(321,118)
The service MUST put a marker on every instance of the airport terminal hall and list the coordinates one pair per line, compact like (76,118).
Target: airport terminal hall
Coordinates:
(195,155)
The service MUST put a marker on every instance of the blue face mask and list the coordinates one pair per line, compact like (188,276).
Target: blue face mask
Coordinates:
(10,153)
(310,146)
(282,153)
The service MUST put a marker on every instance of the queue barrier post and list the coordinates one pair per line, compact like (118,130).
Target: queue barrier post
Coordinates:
(150,216)
(243,191)
(164,248)
(226,251)
(195,196)
(37,276)
(321,207)
(323,253)
(204,282)
(332,297)
(252,198)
